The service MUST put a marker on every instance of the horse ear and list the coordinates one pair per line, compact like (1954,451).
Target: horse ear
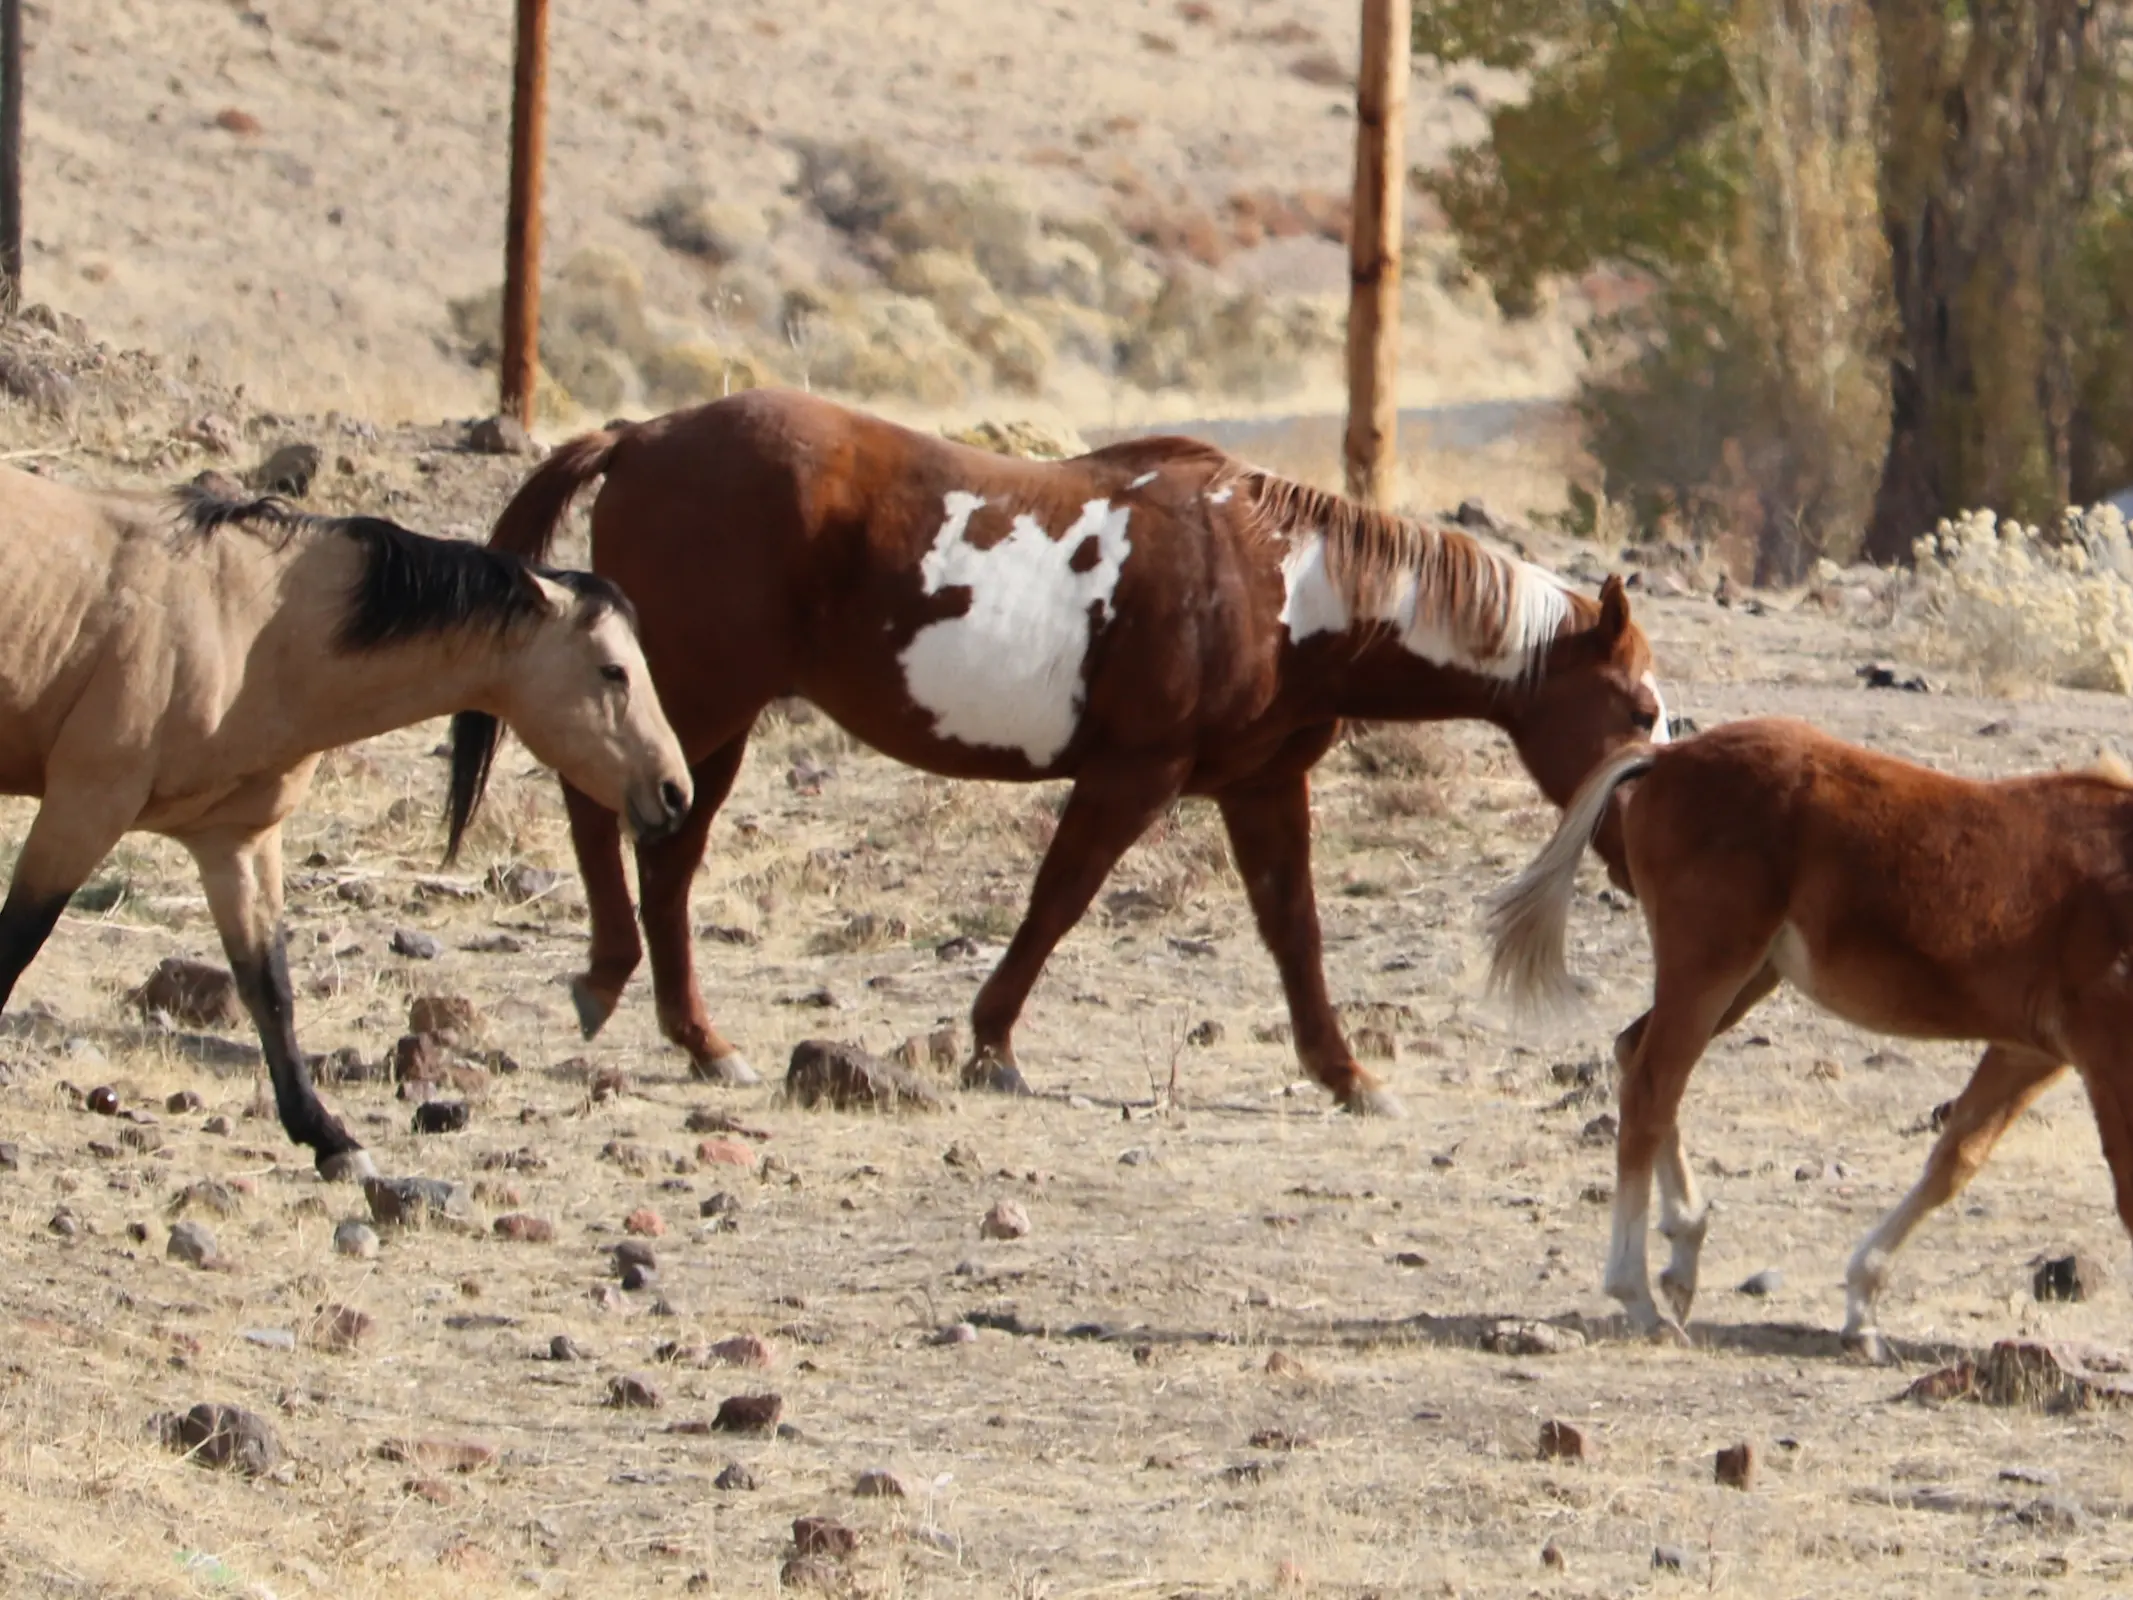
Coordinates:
(1614,609)
(535,593)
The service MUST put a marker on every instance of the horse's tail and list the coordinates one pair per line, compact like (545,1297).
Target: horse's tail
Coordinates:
(1528,917)
(526,527)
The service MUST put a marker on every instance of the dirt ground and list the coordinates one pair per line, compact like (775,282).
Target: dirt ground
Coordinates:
(1248,1345)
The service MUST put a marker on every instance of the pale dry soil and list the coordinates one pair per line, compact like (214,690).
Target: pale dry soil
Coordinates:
(1179,1244)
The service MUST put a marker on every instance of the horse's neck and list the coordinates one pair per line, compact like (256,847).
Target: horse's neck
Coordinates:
(1384,681)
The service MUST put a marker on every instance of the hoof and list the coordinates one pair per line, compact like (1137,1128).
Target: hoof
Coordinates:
(731,1070)
(593,1008)
(1374,1103)
(1678,1295)
(989,1072)
(347,1166)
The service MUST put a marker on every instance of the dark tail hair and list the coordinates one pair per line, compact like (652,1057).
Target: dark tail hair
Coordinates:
(525,528)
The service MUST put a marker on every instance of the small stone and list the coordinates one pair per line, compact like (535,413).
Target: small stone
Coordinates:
(441,1116)
(220,1126)
(748,1413)
(1809,1171)
(1552,1556)
(192,1243)
(2062,1278)
(418,1058)
(564,1348)
(1205,1034)
(733,1476)
(1668,1558)
(180,1103)
(636,1278)
(217,1435)
(847,1078)
(288,471)
(1561,1441)
(954,1333)
(449,1016)
(1515,1338)
(1764,1283)
(499,436)
(1006,1220)
(1735,1466)
(416,945)
(521,1228)
(812,1575)
(103,1100)
(645,1223)
(821,1536)
(633,1253)
(742,1350)
(877,1483)
(192,994)
(609,1083)
(631,1391)
(64,1223)
(721,1204)
(725,1153)
(1602,1129)
(270,1338)
(357,1239)
(413,1202)
(10,1156)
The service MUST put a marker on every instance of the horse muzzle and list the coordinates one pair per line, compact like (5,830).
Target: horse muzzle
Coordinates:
(656,815)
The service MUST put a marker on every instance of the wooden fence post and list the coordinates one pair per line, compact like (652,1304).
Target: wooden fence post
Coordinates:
(11,152)
(522,228)
(1374,251)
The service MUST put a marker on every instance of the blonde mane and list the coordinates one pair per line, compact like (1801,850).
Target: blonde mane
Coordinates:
(1451,599)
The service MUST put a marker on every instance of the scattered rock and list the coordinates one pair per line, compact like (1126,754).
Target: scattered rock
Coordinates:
(288,471)
(342,1329)
(645,1223)
(64,1223)
(217,1435)
(231,120)
(821,1536)
(1886,675)
(192,994)
(270,1338)
(742,1350)
(1735,1466)
(725,1153)
(564,1348)
(194,1244)
(878,1483)
(1668,1558)
(721,1204)
(521,1228)
(10,1157)
(2062,1278)
(416,945)
(218,1125)
(180,1103)
(1515,1338)
(631,1391)
(103,1100)
(733,1476)
(356,1239)
(1205,1035)
(1766,1282)
(812,1574)
(847,1077)
(441,1116)
(499,436)
(440,1455)
(414,1202)
(748,1413)
(1561,1441)
(954,1333)
(449,1016)
(636,1278)
(1552,1556)
(1006,1220)
(1602,1129)
(2033,1375)
(609,1083)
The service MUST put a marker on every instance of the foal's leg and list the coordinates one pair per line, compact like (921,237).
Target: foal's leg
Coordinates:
(241,871)
(1269,825)
(665,872)
(596,840)
(2006,1080)
(1107,810)
(1697,987)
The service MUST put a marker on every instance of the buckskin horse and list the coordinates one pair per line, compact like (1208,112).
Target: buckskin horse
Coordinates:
(179,665)
(1152,619)
(1902,899)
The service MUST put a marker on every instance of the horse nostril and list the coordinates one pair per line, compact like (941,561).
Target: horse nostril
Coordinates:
(677,801)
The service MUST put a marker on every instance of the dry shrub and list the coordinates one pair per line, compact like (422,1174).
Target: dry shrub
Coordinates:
(1201,337)
(689,220)
(685,374)
(2016,606)
(1256,215)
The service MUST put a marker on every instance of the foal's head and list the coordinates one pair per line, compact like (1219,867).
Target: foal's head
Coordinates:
(580,696)
(1595,692)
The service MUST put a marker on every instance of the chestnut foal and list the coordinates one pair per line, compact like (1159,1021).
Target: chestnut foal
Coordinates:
(1901,899)
(1153,619)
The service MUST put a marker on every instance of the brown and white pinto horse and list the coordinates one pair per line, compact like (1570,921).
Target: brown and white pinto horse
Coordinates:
(1901,899)
(1153,619)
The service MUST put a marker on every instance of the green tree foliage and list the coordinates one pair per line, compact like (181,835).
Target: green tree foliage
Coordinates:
(1883,249)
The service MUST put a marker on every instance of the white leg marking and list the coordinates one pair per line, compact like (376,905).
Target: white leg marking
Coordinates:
(1008,673)
(1869,1268)
(1628,1279)
(1683,1219)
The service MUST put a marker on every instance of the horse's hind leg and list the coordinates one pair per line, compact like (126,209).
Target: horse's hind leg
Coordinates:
(665,871)
(1106,812)
(2006,1080)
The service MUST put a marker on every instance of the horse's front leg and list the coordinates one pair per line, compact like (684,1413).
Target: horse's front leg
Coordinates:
(1110,807)
(240,867)
(1269,823)
(74,829)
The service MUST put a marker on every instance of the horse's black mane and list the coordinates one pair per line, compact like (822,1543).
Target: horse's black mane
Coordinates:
(412,584)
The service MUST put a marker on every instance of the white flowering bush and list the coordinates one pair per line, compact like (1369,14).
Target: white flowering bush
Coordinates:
(2017,604)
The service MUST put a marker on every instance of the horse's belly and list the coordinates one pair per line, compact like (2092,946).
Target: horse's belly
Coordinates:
(1883,993)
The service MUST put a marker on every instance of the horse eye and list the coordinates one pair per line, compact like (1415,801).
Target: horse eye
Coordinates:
(1646,720)
(615,672)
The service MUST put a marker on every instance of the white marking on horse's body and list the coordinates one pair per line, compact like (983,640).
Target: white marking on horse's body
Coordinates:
(1534,607)
(1142,481)
(1007,673)
(1220,497)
